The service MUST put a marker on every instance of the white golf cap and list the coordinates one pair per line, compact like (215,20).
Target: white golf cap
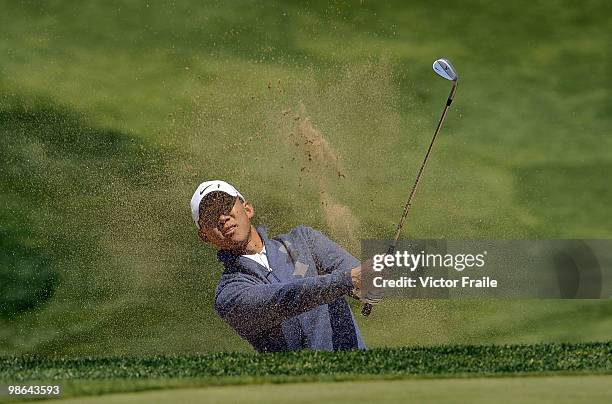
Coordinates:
(206,188)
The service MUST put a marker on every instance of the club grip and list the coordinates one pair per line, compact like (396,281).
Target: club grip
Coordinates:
(366,309)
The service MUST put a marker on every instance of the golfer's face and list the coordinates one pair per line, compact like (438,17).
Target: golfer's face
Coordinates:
(226,223)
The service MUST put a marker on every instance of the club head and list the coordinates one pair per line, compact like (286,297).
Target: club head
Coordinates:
(445,69)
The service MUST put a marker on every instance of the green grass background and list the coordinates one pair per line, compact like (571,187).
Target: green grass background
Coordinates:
(112,112)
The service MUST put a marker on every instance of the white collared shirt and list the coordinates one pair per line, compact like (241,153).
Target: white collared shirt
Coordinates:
(261,258)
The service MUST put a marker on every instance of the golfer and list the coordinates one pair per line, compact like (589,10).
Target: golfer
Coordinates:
(282,293)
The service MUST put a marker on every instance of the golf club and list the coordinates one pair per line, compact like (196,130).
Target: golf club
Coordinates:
(444,68)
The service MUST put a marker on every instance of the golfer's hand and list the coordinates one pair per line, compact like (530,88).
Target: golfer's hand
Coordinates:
(372,295)
(356,278)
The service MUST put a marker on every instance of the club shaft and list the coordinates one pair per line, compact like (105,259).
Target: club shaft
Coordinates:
(420,173)
(367,308)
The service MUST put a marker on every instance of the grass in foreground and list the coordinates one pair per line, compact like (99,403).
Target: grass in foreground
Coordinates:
(86,376)
(556,389)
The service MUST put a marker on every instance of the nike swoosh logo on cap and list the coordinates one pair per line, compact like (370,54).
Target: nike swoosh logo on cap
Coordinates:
(202,191)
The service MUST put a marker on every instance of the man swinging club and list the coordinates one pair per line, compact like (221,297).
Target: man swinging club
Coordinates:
(282,293)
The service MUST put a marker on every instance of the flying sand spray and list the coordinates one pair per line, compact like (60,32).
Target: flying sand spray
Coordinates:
(444,68)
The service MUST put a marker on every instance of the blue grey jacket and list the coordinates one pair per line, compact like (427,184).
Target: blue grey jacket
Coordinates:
(300,303)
